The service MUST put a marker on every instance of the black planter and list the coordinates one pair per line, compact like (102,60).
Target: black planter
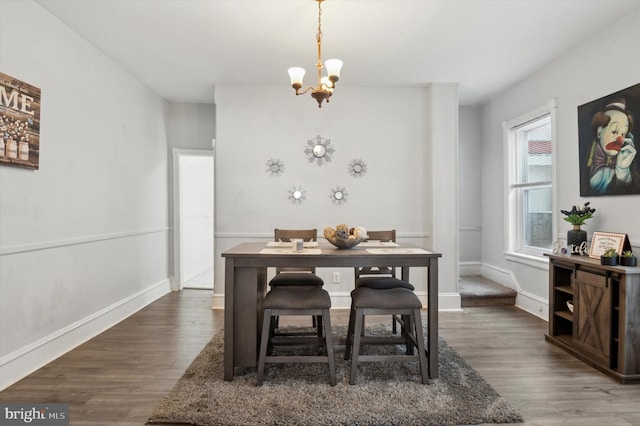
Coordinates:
(628,261)
(575,238)
(609,260)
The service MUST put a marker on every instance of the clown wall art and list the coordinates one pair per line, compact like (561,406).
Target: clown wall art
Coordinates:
(608,161)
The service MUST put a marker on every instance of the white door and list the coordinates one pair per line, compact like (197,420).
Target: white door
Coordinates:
(194,196)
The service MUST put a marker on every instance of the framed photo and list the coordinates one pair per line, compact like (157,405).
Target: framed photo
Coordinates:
(19,123)
(601,241)
(607,145)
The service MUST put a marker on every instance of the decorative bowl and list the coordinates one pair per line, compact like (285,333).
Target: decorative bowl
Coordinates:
(345,243)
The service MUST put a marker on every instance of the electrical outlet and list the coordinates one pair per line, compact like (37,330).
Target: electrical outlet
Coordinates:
(336,277)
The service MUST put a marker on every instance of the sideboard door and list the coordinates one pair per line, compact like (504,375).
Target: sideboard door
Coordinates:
(592,316)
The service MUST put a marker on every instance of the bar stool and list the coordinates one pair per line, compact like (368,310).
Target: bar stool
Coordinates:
(394,301)
(283,301)
(381,277)
(295,276)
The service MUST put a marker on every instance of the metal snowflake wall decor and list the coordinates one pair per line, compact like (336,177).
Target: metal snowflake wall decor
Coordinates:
(338,195)
(357,168)
(297,195)
(275,167)
(319,150)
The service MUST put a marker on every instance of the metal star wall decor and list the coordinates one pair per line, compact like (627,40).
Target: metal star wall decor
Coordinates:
(338,195)
(357,168)
(274,167)
(297,195)
(319,151)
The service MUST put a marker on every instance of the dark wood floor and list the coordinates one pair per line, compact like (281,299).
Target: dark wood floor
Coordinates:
(118,377)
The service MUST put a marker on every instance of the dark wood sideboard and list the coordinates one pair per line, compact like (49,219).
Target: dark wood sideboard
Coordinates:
(604,328)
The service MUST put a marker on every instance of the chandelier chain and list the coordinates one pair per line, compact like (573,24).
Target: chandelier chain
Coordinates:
(319,33)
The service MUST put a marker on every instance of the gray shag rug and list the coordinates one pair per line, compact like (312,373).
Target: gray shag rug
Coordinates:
(386,393)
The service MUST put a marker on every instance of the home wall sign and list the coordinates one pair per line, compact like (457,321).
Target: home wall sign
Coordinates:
(601,241)
(19,123)
(609,164)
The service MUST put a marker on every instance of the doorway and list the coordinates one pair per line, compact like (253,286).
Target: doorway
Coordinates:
(193,219)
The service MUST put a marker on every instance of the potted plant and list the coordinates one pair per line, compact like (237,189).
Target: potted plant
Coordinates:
(577,217)
(628,259)
(609,257)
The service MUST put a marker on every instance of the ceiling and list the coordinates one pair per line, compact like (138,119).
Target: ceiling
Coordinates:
(183,48)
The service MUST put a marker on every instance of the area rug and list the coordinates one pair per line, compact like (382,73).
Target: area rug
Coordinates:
(386,393)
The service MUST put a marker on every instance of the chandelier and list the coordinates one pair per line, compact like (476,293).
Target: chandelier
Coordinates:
(326,84)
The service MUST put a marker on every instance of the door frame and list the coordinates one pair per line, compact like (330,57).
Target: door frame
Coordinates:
(177,153)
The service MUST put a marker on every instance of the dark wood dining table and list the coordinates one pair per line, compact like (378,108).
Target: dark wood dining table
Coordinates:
(246,283)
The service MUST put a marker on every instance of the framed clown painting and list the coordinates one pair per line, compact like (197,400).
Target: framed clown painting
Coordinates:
(608,161)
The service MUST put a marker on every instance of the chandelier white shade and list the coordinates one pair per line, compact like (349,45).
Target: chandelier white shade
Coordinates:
(326,84)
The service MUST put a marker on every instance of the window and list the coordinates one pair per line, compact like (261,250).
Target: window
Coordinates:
(529,147)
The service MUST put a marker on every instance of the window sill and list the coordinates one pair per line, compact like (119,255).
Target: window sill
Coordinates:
(537,262)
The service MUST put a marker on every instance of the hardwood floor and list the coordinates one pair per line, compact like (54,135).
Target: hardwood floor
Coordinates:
(118,377)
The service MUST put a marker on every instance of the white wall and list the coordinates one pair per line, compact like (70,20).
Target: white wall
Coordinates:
(583,74)
(191,126)
(83,240)
(470,172)
(385,127)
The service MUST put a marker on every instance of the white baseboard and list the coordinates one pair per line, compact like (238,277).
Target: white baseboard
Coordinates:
(526,301)
(446,301)
(218,301)
(501,276)
(533,304)
(26,360)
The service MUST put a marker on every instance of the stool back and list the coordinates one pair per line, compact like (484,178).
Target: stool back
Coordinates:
(378,271)
(286,235)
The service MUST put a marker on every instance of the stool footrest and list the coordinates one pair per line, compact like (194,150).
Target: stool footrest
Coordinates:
(297,341)
(273,359)
(383,340)
(398,357)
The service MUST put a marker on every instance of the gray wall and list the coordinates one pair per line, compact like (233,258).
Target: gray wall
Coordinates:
(391,129)
(470,172)
(83,240)
(86,240)
(580,75)
(191,126)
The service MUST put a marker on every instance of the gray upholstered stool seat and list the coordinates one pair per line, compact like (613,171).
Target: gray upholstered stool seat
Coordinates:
(394,301)
(383,283)
(299,280)
(283,301)
(297,298)
(296,279)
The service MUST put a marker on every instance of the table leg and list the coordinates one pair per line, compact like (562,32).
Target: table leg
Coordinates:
(405,273)
(229,324)
(432,317)
(244,293)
